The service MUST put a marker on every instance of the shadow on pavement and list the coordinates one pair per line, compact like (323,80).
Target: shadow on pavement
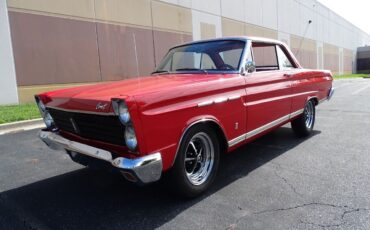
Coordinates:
(97,200)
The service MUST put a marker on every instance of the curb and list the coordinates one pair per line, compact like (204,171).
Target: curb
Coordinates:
(21,125)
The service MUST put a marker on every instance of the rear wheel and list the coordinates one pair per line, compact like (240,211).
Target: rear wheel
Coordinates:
(303,125)
(197,162)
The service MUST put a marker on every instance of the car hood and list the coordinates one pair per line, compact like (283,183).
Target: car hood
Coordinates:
(88,96)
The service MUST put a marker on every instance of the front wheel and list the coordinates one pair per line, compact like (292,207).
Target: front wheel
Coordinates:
(303,125)
(197,162)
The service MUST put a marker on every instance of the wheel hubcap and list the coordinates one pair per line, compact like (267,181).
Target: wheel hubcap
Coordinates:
(199,158)
(309,114)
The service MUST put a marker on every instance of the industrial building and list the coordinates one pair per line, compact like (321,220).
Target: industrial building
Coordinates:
(363,60)
(48,45)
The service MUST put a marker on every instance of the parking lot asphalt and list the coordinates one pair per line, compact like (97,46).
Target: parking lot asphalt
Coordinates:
(276,182)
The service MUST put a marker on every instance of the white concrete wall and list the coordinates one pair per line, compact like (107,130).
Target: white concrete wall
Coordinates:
(202,17)
(8,84)
(290,17)
(234,9)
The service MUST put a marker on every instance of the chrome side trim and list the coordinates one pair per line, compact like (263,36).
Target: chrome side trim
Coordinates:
(234,97)
(296,113)
(81,111)
(263,128)
(219,100)
(267,126)
(205,103)
(237,140)
(279,98)
(146,169)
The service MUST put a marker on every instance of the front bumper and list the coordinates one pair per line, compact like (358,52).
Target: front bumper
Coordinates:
(143,170)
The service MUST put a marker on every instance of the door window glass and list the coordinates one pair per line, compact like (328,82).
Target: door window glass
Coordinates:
(265,57)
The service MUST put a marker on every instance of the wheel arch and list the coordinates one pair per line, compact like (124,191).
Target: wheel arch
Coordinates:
(211,122)
(313,98)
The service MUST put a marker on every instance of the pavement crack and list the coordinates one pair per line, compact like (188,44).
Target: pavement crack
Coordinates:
(342,220)
(302,206)
(346,210)
(288,183)
(285,180)
(322,225)
(355,210)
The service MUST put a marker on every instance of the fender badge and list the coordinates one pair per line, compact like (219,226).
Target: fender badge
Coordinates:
(101,106)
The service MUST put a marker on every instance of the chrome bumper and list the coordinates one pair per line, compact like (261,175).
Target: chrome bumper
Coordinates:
(144,170)
(331,93)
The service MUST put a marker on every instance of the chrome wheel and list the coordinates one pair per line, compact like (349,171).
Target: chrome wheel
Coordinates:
(199,158)
(309,114)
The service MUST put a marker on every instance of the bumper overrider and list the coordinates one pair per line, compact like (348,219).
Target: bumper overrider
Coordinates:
(141,170)
(331,93)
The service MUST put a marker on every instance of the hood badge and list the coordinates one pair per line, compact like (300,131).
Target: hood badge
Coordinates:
(101,106)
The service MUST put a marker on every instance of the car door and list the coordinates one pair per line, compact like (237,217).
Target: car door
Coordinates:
(268,90)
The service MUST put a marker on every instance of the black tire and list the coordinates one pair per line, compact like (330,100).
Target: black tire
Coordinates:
(303,124)
(183,174)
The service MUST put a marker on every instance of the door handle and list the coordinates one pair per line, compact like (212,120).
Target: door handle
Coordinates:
(287,75)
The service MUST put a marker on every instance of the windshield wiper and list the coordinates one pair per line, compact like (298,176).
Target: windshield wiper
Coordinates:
(192,69)
(160,71)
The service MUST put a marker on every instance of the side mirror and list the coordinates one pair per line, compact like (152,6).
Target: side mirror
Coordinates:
(250,67)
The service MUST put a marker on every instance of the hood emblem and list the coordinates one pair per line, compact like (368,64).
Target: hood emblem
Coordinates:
(101,106)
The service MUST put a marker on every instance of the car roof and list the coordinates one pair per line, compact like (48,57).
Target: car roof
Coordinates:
(236,38)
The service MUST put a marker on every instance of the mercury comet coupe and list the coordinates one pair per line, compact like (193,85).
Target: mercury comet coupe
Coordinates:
(206,98)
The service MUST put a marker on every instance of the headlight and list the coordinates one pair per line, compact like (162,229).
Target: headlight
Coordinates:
(49,122)
(130,138)
(41,106)
(120,109)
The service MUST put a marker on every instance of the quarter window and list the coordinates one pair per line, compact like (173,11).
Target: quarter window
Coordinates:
(284,61)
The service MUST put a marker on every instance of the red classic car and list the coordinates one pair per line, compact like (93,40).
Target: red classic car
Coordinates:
(206,98)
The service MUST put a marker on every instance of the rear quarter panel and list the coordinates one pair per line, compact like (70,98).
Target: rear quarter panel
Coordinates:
(307,84)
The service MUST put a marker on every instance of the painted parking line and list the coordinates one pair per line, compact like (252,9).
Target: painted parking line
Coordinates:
(360,90)
(341,85)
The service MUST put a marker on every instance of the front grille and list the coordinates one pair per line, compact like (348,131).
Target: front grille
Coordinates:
(92,126)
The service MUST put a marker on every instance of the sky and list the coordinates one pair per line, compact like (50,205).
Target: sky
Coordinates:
(355,11)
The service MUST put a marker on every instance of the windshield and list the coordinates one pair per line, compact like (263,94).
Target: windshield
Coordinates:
(214,56)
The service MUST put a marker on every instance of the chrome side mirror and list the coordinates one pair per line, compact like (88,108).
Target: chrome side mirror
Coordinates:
(250,67)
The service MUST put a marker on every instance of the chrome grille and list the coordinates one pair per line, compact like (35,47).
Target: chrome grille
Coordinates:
(91,126)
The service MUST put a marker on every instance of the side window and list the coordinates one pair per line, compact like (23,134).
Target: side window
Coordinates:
(265,57)
(284,62)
